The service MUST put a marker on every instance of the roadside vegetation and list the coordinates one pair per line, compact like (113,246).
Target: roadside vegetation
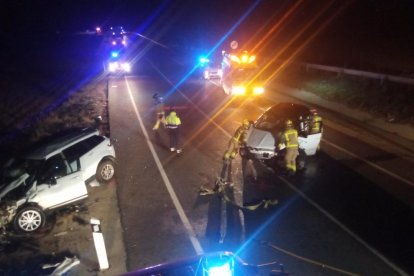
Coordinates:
(392,101)
(80,110)
(48,115)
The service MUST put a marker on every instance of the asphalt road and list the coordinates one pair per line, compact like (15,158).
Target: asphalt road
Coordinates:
(343,215)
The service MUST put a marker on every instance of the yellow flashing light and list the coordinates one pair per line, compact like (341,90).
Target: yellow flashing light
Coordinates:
(239,90)
(245,58)
(235,58)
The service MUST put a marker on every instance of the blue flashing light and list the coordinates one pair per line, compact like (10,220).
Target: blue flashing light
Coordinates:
(114,54)
(204,60)
(220,270)
(219,265)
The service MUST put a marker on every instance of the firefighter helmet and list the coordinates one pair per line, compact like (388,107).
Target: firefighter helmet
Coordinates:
(289,123)
(246,123)
(158,98)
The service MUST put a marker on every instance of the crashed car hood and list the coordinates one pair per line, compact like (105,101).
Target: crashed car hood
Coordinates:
(260,139)
(13,185)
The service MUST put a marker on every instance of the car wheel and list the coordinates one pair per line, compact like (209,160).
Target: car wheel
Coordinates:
(29,219)
(105,171)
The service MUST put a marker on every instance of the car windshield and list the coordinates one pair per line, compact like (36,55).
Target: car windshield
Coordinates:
(242,74)
(274,118)
(16,167)
(270,121)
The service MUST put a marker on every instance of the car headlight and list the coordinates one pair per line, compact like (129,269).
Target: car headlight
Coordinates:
(258,90)
(126,67)
(239,90)
(113,66)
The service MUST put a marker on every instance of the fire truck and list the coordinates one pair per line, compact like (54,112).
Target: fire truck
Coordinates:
(240,74)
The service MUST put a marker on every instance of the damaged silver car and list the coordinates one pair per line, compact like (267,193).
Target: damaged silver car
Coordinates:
(52,174)
(263,135)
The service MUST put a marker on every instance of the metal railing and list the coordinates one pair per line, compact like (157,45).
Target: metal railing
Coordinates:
(340,70)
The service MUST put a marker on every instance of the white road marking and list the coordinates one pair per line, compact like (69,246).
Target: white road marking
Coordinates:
(241,214)
(186,222)
(300,193)
(193,104)
(337,222)
(344,228)
(370,163)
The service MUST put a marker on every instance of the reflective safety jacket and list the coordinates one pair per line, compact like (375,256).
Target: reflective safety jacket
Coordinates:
(290,138)
(172,120)
(240,134)
(316,124)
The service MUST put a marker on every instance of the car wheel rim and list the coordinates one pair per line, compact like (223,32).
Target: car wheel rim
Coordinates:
(30,220)
(107,172)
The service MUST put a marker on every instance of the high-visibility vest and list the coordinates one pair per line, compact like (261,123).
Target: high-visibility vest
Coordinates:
(316,124)
(291,138)
(172,120)
(239,134)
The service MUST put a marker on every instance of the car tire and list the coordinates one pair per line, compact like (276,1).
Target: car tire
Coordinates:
(29,219)
(105,171)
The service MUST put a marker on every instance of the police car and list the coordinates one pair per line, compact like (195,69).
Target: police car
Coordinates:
(263,135)
(118,64)
(209,70)
(212,73)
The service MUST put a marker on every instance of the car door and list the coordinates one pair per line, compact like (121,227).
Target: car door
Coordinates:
(59,184)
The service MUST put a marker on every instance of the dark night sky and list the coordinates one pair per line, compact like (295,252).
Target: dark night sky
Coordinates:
(356,32)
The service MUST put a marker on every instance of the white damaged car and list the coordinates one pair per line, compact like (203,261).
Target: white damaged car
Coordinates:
(263,135)
(52,174)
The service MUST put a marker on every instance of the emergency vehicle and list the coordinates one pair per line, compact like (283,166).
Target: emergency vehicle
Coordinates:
(240,74)
(209,70)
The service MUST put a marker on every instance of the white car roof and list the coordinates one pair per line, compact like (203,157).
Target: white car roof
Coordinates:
(57,142)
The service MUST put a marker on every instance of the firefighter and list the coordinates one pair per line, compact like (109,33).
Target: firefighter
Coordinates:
(173,123)
(237,140)
(159,109)
(290,140)
(316,124)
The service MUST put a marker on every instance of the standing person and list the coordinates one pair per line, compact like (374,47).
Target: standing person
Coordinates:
(237,140)
(159,109)
(316,123)
(290,140)
(173,122)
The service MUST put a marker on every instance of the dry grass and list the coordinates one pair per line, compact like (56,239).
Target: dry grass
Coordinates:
(391,101)
(25,125)
(79,110)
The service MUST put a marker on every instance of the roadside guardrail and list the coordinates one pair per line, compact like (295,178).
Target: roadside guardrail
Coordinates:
(365,74)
